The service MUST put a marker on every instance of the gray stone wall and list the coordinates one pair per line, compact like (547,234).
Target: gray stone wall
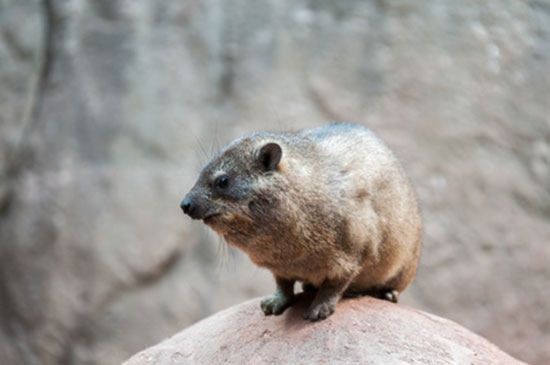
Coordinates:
(108,109)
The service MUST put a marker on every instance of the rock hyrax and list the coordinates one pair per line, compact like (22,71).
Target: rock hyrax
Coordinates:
(330,207)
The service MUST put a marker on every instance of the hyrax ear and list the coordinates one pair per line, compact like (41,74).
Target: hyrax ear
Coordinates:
(269,156)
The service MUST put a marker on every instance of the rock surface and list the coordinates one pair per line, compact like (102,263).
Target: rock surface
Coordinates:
(108,108)
(361,331)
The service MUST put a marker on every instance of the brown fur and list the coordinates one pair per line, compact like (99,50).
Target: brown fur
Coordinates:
(336,212)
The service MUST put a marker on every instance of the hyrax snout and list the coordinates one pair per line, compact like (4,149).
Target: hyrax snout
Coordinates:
(330,207)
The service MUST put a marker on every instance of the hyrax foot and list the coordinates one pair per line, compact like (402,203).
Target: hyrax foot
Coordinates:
(390,295)
(319,311)
(275,304)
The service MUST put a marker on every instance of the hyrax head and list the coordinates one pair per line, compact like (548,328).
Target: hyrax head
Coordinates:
(232,184)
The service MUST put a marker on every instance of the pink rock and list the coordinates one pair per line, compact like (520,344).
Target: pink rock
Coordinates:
(363,330)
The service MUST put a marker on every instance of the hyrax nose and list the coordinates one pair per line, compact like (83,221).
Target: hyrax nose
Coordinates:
(186,206)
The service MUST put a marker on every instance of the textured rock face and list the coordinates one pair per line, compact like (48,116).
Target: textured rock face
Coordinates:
(361,331)
(108,108)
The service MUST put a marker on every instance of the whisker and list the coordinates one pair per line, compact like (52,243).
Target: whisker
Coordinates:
(214,146)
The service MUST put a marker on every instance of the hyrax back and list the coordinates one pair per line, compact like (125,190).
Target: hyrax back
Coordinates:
(330,207)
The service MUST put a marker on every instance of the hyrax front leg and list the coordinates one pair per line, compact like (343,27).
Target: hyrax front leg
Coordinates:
(328,295)
(281,299)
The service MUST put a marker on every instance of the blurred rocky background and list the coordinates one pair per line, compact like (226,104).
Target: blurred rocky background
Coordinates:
(108,109)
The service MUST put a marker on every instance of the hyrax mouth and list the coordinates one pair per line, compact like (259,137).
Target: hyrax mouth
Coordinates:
(211,217)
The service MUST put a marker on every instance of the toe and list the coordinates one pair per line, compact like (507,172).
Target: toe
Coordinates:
(266,307)
(392,296)
(319,312)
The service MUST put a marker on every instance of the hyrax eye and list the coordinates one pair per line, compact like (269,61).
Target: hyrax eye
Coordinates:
(222,182)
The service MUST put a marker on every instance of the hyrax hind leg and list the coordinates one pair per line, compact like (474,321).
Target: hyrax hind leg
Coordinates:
(391,289)
(385,293)
(390,295)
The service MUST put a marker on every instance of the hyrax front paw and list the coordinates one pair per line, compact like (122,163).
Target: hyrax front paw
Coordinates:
(275,304)
(319,311)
